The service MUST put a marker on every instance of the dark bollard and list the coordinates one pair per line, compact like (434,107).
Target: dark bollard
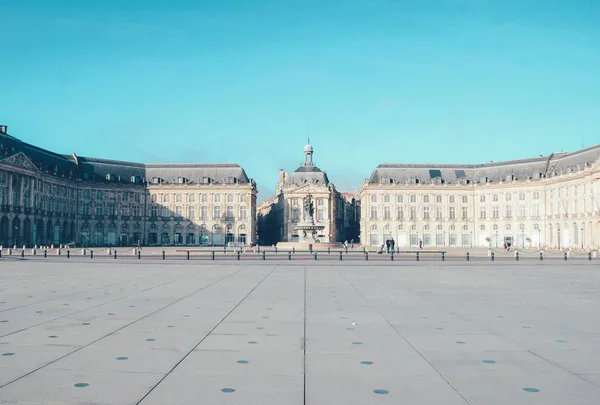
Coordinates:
(468,256)
(213,255)
(290,256)
(91,254)
(541,257)
(0,253)
(275,249)
(340,256)
(589,255)
(224,248)
(238,255)
(517,256)
(366,256)
(45,253)
(417,256)
(163,255)
(22,253)
(68,254)
(346,249)
(259,249)
(315,255)
(328,250)
(310,248)
(264,257)
(139,254)
(115,253)
(188,255)
(492,256)
(392,257)
(565,256)
(443,256)
(294,249)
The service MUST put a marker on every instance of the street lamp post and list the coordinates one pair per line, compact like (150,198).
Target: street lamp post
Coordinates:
(496,238)
(582,237)
(522,239)
(539,238)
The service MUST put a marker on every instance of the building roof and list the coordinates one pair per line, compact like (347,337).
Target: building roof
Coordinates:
(307,175)
(532,168)
(96,169)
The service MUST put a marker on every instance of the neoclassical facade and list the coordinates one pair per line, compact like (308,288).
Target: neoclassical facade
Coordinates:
(48,198)
(548,201)
(335,212)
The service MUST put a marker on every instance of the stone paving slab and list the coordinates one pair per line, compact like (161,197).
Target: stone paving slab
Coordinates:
(303,332)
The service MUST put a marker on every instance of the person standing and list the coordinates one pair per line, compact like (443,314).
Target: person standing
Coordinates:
(387,245)
(393,244)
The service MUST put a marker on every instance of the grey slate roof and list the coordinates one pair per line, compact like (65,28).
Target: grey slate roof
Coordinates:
(534,168)
(96,169)
(307,175)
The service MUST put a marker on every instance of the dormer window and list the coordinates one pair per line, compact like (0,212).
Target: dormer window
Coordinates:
(510,177)
(230,180)
(156,180)
(206,180)
(414,180)
(483,179)
(111,177)
(181,180)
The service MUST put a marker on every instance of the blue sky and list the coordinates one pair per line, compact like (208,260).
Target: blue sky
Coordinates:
(239,81)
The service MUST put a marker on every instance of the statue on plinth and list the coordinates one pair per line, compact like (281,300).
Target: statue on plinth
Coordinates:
(309,209)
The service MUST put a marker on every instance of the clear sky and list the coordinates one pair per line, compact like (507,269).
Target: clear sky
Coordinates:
(462,81)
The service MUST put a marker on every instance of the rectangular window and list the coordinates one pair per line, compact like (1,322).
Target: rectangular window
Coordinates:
(191,212)
(204,198)
(100,209)
(320,214)
(243,213)
(536,195)
(452,213)
(465,212)
(153,211)
(400,213)
(153,198)
(165,212)
(178,198)
(522,212)
(465,199)
(86,194)
(217,212)
(217,198)
(451,199)
(482,213)
(179,211)
(386,213)
(413,213)
(243,198)
(204,212)
(426,213)
(99,195)
(440,239)
(452,239)
(508,210)
(229,212)
(191,198)
(400,198)
(373,198)
(166,198)
(373,213)
(229,198)
(438,199)
(521,196)
(495,212)
(495,197)
(507,197)
(438,213)
(85,208)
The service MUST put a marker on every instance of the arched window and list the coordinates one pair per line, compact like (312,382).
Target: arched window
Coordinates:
(439,228)
(482,227)
(425,198)
(373,227)
(413,198)
(508,227)
(465,227)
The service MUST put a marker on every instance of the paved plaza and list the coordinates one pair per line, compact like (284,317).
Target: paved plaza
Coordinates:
(300,332)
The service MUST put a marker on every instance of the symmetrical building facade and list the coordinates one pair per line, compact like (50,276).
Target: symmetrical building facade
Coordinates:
(550,201)
(334,212)
(48,198)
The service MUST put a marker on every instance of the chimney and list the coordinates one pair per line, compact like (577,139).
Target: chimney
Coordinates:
(3,129)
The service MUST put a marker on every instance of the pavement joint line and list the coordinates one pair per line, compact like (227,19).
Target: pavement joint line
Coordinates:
(304,341)
(564,368)
(404,338)
(68,295)
(209,333)
(123,327)
(87,309)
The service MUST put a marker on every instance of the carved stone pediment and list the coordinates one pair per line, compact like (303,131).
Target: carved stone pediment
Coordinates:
(19,160)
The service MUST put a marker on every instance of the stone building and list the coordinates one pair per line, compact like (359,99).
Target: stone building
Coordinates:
(279,216)
(550,201)
(49,198)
